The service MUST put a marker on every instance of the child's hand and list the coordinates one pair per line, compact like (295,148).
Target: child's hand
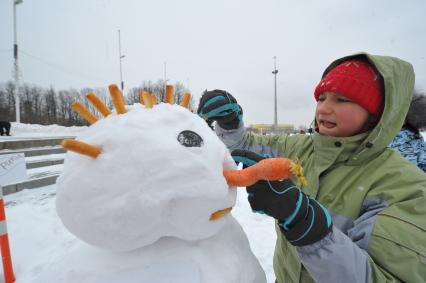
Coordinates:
(220,106)
(302,220)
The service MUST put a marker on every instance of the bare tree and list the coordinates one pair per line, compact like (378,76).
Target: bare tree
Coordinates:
(36,96)
(4,107)
(27,104)
(48,106)
(9,89)
(157,89)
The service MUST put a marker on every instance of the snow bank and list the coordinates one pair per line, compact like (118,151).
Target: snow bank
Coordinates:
(35,130)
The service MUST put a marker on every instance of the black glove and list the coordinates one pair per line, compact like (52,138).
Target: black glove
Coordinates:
(301,219)
(220,106)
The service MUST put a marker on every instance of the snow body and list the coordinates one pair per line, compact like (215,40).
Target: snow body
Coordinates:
(147,201)
(224,257)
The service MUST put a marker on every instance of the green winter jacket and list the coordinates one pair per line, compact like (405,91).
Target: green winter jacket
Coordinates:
(376,198)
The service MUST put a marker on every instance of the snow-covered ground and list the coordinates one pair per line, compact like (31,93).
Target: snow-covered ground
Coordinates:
(39,172)
(21,131)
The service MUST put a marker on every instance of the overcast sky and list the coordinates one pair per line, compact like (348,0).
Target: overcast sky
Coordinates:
(227,44)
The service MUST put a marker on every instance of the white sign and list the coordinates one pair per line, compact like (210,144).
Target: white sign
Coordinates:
(12,168)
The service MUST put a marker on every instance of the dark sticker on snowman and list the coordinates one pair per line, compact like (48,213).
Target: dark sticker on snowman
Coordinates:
(190,139)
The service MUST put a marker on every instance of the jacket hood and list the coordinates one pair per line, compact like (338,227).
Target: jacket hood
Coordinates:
(398,80)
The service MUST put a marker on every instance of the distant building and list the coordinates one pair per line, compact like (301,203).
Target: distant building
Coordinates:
(266,129)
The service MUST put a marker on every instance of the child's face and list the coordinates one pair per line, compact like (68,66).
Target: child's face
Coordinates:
(339,116)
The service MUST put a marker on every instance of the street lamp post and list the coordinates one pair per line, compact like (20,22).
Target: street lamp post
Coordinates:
(121,57)
(274,72)
(15,57)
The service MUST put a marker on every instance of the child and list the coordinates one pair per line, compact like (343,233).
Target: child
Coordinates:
(362,216)
(409,142)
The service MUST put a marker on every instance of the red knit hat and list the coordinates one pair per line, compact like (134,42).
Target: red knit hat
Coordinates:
(356,80)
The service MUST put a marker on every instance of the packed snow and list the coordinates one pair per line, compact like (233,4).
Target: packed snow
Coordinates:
(39,172)
(145,181)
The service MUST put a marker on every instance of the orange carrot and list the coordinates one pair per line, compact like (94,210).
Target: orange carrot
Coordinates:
(271,169)
(220,213)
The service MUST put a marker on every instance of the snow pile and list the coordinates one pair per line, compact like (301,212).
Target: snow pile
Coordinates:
(37,237)
(35,130)
(147,201)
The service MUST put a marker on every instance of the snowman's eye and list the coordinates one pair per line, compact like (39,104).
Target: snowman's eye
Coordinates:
(190,139)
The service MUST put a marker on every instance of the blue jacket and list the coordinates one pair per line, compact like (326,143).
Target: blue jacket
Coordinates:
(412,146)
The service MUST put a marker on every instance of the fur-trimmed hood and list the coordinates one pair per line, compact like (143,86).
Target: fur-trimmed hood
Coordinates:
(416,116)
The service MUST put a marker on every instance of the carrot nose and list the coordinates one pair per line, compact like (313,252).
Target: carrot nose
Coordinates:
(271,169)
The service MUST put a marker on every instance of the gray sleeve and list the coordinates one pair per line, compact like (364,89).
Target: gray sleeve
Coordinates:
(336,258)
(240,139)
(340,257)
(233,139)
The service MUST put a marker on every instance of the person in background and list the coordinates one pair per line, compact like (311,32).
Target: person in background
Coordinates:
(409,142)
(362,215)
(5,128)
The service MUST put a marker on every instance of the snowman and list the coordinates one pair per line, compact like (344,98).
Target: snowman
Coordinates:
(144,191)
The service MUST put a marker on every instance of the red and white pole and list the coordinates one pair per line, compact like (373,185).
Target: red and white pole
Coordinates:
(9,277)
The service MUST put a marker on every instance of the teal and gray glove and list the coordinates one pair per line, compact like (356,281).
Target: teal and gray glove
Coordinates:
(301,219)
(220,106)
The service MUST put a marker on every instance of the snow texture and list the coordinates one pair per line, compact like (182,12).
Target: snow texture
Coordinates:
(146,200)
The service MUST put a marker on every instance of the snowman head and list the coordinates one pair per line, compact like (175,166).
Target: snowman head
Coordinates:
(143,173)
